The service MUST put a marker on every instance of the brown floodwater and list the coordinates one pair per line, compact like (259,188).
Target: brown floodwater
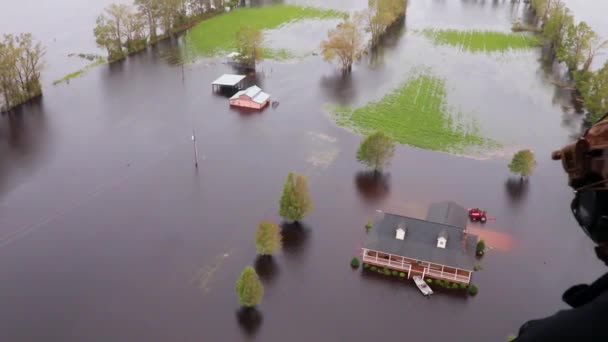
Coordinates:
(109,233)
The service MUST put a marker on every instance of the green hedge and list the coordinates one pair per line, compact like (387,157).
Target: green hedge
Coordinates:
(354,262)
(365,266)
(473,290)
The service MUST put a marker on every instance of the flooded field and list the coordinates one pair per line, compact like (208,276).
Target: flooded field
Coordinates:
(109,233)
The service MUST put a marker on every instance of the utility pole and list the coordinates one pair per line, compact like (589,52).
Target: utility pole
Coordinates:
(195,149)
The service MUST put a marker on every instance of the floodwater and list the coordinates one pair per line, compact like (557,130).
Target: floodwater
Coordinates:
(109,233)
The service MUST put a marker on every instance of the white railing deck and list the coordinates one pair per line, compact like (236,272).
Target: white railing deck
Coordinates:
(399,265)
(404,266)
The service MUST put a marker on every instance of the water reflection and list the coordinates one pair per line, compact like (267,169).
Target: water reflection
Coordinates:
(517,190)
(266,267)
(250,320)
(295,238)
(373,186)
(23,134)
(339,87)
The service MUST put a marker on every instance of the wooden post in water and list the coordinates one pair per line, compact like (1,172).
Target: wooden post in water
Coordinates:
(195,149)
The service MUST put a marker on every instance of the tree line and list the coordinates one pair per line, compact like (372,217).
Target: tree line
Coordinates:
(346,43)
(20,67)
(124,29)
(576,45)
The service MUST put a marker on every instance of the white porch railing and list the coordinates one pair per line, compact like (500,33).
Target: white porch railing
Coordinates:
(380,261)
(449,276)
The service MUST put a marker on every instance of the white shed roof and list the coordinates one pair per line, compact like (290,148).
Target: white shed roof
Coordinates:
(261,97)
(229,80)
(254,93)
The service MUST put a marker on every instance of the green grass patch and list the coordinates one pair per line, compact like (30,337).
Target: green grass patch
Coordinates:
(217,35)
(416,114)
(482,41)
(78,73)
(278,54)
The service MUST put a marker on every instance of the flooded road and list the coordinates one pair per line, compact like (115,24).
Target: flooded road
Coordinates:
(109,233)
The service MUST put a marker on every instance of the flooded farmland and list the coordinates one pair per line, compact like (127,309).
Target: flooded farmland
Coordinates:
(109,233)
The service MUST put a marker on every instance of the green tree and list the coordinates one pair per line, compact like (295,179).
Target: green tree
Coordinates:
(249,288)
(344,43)
(576,43)
(295,202)
(540,8)
(173,15)
(376,150)
(250,45)
(523,163)
(109,30)
(376,18)
(594,90)
(480,248)
(268,238)
(150,9)
(20,67)
(135,34)
(554,27)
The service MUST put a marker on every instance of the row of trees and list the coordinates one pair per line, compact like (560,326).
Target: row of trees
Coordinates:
(294,205)
(346,42)
(576,45)
(124,29)
(377,149)
(20,67)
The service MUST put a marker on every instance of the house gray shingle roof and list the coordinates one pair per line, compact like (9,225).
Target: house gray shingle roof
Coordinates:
(421,241)
(449,213)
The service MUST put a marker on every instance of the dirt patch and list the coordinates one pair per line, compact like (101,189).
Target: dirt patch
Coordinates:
(495,240)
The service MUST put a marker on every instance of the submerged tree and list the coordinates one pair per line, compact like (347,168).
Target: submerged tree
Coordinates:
(150,9)
(523,163)
(378,17)
(576,44)
(268,238)
(135,33)
(249,288)
(250,45)
(109,30)
(557,21)
(345,43)
(376,150)
(20,67)
(594,89)
(295,202)
(480,248)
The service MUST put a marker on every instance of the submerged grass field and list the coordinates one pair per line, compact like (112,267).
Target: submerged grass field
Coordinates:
(68,77)
(482,41)
(416,114)
(217,34)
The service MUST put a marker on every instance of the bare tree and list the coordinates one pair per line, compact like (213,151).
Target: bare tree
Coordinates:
(594,46)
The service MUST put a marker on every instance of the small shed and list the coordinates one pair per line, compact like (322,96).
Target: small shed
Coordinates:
(228,81)
(252,97)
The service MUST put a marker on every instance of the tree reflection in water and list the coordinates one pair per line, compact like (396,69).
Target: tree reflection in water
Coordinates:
(372,186)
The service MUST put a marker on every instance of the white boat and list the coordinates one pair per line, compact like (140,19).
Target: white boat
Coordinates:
(422,286)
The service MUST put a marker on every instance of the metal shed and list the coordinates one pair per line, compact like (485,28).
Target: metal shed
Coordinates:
(228,81)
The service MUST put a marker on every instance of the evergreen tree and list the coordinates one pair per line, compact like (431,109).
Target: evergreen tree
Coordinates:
(268,238)
(249,288)
(295,201)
